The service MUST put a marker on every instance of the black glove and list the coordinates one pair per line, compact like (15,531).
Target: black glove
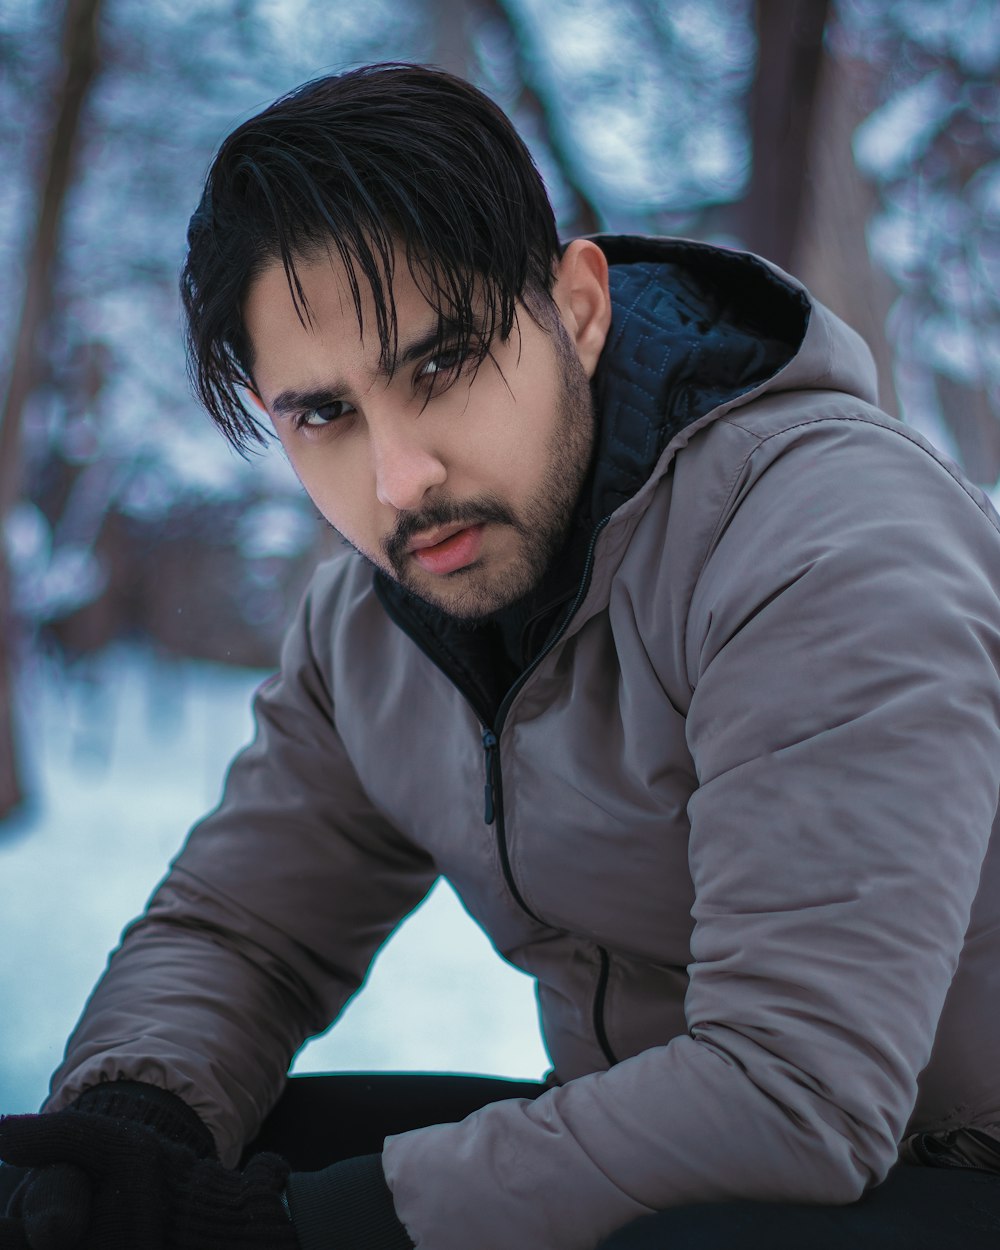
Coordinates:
(56,1200)
(144,1192)
(10,1179)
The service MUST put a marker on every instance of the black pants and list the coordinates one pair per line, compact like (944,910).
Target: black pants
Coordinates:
(321,1119)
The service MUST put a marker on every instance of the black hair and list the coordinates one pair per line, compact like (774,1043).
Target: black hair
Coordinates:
(359,164)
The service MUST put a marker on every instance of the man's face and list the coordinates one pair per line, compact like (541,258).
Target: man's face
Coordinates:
(462,494)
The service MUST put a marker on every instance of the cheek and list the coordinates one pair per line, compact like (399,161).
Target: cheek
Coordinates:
(334,483)
(527,445)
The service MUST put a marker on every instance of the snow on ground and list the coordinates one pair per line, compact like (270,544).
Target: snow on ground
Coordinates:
(124,756)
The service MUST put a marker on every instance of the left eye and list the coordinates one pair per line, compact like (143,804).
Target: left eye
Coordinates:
(325,414)
(446,362)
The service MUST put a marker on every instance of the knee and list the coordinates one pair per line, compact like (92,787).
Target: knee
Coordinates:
(714,1226)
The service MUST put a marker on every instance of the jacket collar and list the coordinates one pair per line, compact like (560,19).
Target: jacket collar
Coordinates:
(693,327)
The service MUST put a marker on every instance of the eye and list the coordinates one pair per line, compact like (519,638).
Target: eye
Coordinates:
(438,368)
(324,414)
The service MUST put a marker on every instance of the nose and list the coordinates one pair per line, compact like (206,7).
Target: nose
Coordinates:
(405,467)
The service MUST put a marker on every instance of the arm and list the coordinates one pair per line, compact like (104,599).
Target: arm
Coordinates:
(261,919)
(845,727)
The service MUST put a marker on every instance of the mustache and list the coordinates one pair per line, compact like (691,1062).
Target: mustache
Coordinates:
(486,509)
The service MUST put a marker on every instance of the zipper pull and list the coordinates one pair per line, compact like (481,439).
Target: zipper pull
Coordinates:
(489,747)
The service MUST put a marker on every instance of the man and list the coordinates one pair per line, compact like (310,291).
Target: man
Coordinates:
(670,651)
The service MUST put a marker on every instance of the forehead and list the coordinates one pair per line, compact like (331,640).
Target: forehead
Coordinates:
(324,304)
(324,339)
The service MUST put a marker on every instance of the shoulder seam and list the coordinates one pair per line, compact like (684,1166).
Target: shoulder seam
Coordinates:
(900,432)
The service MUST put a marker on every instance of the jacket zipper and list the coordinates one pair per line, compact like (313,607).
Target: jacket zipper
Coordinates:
(493,787)
(599,996)
(493,805)
(490,748)
(493,813)
(491,736)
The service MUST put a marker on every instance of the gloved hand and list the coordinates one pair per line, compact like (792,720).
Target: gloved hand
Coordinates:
(55,1201)
(57,1198)
(10,1179)
(143,1191)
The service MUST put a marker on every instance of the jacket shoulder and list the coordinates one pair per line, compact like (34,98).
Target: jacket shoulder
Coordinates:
(809,422)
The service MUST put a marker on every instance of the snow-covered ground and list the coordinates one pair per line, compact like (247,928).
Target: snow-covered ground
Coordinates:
(123,757)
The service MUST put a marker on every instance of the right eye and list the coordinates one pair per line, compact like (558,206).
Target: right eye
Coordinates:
(324,414)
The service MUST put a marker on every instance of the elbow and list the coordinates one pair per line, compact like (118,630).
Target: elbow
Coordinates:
(840,1163)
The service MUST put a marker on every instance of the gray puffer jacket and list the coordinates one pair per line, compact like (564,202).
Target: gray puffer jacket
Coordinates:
(742,807)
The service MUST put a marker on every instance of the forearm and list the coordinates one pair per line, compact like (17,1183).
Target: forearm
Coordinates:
(172,1011)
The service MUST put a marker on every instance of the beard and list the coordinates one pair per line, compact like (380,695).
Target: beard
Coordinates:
(540,526)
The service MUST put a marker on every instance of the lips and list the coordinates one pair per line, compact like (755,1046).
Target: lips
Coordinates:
(448,549)
(435,537)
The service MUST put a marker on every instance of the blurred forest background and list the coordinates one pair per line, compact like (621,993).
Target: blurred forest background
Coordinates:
(855,142)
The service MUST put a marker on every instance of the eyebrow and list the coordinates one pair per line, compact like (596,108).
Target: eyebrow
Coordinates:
(289,401)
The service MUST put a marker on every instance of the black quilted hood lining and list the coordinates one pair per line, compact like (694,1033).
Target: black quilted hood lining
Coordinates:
(693,327)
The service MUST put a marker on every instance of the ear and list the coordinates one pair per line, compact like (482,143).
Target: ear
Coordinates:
(583,299)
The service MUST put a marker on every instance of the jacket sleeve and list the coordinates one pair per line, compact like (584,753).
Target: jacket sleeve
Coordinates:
(264,926)
(845,729)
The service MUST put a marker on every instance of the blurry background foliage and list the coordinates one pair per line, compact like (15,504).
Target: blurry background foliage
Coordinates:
(854,142)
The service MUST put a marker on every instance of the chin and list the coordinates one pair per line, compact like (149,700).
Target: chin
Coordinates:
(479,599)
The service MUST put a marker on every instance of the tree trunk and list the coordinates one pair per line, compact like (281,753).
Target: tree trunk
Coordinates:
(452,48)
(807,207)
(79,64)
(789,49)
(831,252)
(532,100)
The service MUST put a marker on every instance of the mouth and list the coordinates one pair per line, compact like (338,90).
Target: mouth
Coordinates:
(448,549)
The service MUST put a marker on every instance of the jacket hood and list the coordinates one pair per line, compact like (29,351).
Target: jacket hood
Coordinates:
(698,330)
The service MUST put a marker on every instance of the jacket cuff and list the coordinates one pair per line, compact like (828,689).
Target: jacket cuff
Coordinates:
(347,1206)
(157,1108)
